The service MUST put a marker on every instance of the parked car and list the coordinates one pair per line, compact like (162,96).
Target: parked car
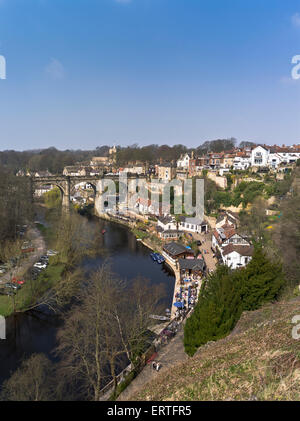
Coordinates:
(11,285)
(40,265)
(52,253)
(28,250)
(2,269)
(35,272)
(199,243)
(18,281)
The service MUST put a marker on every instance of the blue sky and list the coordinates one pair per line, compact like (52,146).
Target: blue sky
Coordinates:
(84,73)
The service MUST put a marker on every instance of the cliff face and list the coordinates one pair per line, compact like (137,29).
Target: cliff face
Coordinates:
(259,360)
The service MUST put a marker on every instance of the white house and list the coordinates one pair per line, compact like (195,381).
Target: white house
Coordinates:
(241,162)
(236,256)
(283,156)
(274,160)
(227,218)
(259,156)
(183,161)
(225,235)
(167,223)
(193,225)
(235,249)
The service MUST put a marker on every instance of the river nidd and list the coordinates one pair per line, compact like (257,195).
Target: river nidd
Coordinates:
(35,331)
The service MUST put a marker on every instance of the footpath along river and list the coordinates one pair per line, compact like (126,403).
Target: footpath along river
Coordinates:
(35,332)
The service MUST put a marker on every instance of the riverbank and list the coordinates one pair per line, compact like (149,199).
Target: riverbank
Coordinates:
(36,331)
(152,245)
(9,304)
(32,290)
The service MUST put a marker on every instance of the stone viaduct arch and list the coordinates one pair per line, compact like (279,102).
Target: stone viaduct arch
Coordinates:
(67,183)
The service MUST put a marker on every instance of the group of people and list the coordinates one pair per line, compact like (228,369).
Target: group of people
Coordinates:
(187,296)
(156,365)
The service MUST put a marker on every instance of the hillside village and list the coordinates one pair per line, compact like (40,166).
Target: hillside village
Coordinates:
(245,190)
(258,166)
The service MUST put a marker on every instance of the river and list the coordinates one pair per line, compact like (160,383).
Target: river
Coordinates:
(35,332)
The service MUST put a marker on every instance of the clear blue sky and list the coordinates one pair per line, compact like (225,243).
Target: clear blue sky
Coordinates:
(82,73)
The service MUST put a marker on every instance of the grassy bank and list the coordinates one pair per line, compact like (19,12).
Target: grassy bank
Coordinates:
(259,360)
(32,290)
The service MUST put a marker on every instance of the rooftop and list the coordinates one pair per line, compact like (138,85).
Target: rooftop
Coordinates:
(191,264)
(175,249)
(242,250)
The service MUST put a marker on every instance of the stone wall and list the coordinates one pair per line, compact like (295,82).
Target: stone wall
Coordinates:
(220,181)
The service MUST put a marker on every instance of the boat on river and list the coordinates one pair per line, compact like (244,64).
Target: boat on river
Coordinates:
(159,258)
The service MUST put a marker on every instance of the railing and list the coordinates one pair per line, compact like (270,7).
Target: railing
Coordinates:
(155,346)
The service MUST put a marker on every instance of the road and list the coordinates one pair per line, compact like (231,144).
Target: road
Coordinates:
(39,245)
(170,355)
(205,239)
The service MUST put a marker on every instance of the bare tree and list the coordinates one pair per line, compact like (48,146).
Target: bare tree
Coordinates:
(33,381)
(86,340)
(107,328)
(74,238)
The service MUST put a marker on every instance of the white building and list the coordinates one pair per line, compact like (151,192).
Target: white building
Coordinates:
(235,250)
(195,225)
(241,162)
(282,157)
(236,256)
(167,223)
(259,156)
(183,161)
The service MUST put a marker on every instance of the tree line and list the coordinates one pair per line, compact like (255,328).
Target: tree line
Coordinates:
(15,205)
(55,160)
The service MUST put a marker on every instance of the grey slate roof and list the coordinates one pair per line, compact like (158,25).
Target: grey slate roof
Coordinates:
(192,264)
(166,219)
(174,249)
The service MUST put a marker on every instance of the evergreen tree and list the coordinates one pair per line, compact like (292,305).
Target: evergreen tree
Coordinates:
(218,309)
(262,282)
(226,294)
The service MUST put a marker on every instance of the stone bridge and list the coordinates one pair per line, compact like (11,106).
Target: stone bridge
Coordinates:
(67,183)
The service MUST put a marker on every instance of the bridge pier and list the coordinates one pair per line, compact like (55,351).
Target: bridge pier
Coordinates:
(66,195)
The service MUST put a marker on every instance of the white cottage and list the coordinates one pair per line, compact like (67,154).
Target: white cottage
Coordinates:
(259,156)
(236,256)
(183,161)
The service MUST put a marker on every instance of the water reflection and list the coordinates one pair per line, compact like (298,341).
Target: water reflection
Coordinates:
(35,332)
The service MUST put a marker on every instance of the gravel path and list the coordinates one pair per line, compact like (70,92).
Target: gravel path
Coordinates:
(168,356)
